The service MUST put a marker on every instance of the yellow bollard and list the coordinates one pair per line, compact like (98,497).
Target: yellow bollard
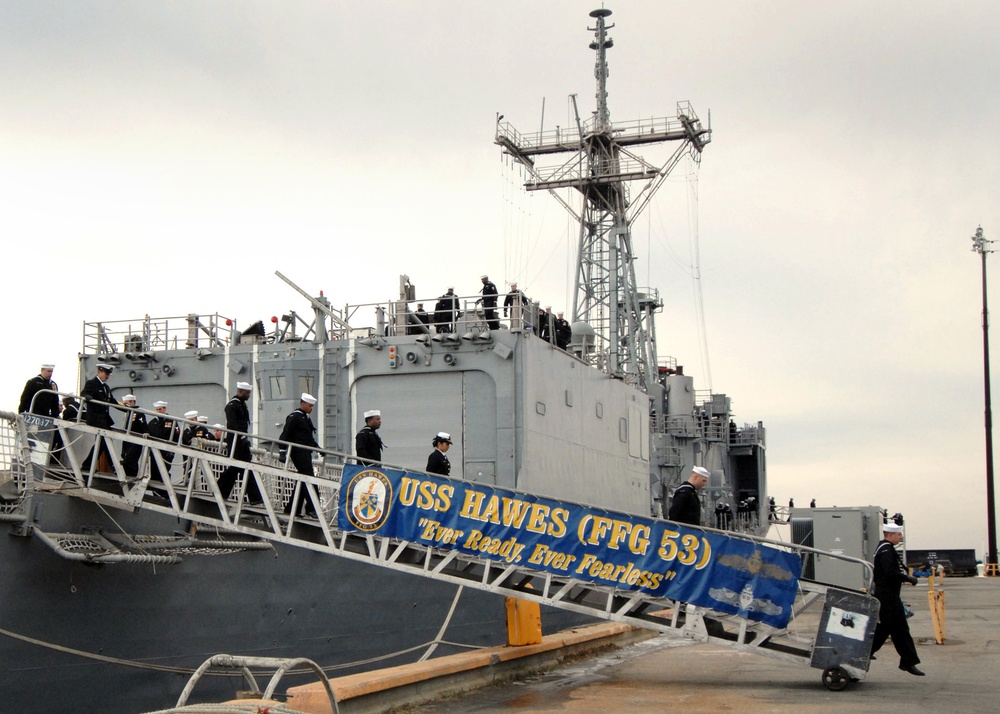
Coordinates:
(935,598)
(524,622)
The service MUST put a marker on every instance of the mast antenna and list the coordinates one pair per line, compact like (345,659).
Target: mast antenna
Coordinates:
(601,167)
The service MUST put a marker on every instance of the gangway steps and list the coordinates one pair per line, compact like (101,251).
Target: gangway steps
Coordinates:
(199,501)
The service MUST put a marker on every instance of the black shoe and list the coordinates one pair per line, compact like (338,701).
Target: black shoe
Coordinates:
(873,658)
(912,669)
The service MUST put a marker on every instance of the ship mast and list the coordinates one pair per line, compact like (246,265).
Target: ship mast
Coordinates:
(601,167)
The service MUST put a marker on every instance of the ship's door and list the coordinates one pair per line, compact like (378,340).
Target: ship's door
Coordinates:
(480,406)
(416,407)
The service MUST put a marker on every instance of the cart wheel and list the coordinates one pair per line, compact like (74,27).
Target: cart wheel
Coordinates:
(835,679)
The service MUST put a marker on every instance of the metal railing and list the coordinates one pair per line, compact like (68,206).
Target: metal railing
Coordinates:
(146,334)
(198,499)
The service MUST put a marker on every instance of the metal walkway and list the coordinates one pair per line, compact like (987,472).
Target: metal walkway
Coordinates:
(196,497)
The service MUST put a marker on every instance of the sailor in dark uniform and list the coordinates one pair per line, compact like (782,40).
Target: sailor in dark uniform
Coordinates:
(686,506)
(422,318)
(299,429)
(445,311)
(546,325)
(135,423)
(890,574)
(489,292)
(47,402)
(238,443)
(191,429)
(367,444)
(437,462)
(97,390)
(71,409)
(162,428)
(564,333)
(514,302)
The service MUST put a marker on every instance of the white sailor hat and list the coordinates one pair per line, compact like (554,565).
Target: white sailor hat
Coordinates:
(244,385)
(372,413)
(442,436)
(106,367)
(513,283)
(193,414)
(48,366)
(484,277)
(203,418)
(701,471)
(892,528)
(308,398)
(161,403)
(218,426)
(128,398)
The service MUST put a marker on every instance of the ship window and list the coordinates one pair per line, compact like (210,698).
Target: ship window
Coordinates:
(569,398)
(540,408)
(600,410)
(623,430)
(306,384)
(279,390)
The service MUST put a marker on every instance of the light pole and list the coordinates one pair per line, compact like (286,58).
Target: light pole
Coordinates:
(981,245)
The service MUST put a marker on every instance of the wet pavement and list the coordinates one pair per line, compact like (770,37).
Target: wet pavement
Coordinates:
(662,675)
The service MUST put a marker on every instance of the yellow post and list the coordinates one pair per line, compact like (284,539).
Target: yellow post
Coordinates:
(935,598)
(524,622)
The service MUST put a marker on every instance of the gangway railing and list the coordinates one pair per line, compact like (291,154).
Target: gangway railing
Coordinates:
(827,628)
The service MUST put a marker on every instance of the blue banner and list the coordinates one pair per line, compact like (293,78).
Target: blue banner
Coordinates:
(628,552)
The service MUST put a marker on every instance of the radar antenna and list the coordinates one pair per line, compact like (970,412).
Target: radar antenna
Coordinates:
(602,167)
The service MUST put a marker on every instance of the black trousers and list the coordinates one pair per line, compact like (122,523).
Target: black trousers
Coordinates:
(892,623)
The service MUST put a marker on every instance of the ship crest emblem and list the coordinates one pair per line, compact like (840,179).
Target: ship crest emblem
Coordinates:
(369,496)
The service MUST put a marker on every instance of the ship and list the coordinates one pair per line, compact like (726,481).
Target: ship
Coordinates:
(600,418)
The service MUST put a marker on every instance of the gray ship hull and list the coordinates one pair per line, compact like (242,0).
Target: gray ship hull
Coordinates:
(280,602)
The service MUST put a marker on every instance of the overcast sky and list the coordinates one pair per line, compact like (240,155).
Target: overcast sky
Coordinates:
(167,157)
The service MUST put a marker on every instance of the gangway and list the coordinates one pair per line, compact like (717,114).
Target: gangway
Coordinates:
(343,512)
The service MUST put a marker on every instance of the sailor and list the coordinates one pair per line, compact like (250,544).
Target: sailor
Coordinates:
(515,302)
(135,424)
(890,574)
(46,403)
(445,311)
(489,292)
(546,325)
(97,414)
(421,316)
(686,506)
(70,409)
(238,443)
(367,444)
(162,428)
(437,462)
(217,431)
(564,333)
(191,429)
(299,429)
(97,389)
(204,431)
